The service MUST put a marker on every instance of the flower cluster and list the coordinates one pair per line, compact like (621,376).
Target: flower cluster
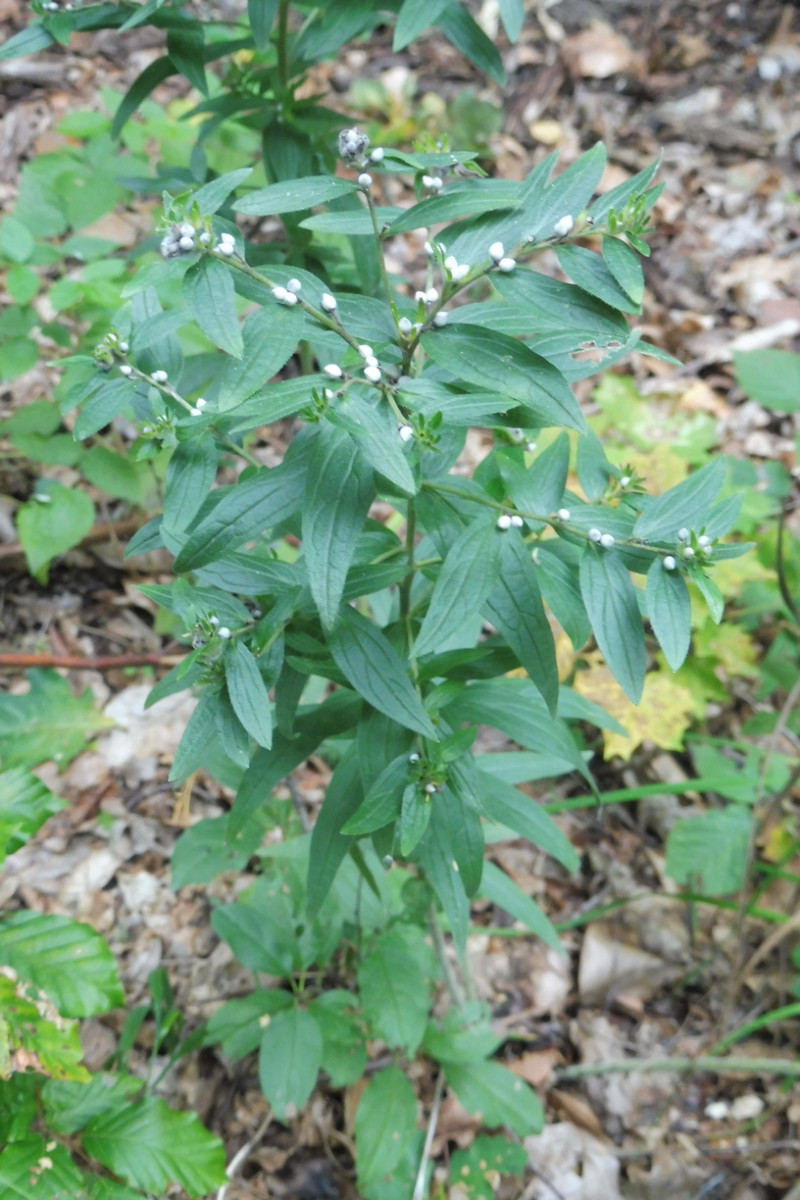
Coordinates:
(353,145)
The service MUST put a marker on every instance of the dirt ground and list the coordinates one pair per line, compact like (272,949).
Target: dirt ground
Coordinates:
(712,87)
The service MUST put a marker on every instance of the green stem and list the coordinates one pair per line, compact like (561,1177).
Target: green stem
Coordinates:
(705,1062)
(282,43)
(770,1018)
(387,287)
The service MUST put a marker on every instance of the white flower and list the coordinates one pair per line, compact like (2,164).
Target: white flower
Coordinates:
(420,297)
(294,285)
(683,534)
(563,226)
(213,620)
(496,251)
(371,361)
(366,351)
(404,325)
(451,262)
(334,371)
(441,319)
(186,230)
(517,521)
(205,238)
(227,237)
(280,294)
(594,535)
(688,552)
(194,412)
(147,429)
(431,296)
(377,154)
(365,180)
(328,394)
(200,403)
(225,248)
(186,243)
(290,299)
(224,632)
(704,540)
(428,248)
(504,521)
(669,563)
(159,377)
(432,182)
(506,265)
(124,347)
(607,540)
(530,447)
(413,758)
(460,272)
(405,433)
(430,789)
(624,480)
(125,369)
(563,514)
(373,374)
(328,302)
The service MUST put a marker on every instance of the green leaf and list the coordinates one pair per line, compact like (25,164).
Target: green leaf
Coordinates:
(236,1024)
(289,1061)
(25,805)
(186,46)
(52,522)
(709,591)
(526,817)
(594,469)
(506,894)
(22,283)
(475,1169)
(435,855)
(619,196)
(114,473)
(374,430)
(467,36)
(294,195)
(356,223)
(610,600)
(28,41)
(190,474)
(23,1176)
(772,377)
(709,852)
(540,487)
(381,805)
(248,692)
(208,848)
(69,1105)
(338,495)
(328,844)
(414,17)
(592,273)
(269,339)
(262,941)
(512,14)
(502,364)
(670,612)
(47,722)
(105,403)
(625,265)
(65,959)
(386,1118)
(197,740)
(151,1145)
(415,813)
(212,195)
(687,504)
(261,14)
(16,240)
(344,1053)
(208,290)
(371,665)
(499,1097)
(514,606)
(391,980)
(467,576)
(140,89)
(456,816)
(54,1045)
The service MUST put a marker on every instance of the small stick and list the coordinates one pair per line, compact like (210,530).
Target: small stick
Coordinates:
(79,662)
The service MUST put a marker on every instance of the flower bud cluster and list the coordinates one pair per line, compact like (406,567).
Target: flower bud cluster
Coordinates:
(500,259)
(510,521)
(353,145)
(606,540)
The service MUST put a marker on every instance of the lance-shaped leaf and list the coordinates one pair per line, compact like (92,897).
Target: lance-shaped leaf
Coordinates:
(338,494)
(369,662)
(670,611)
(687,504)
(435,855)
(610,599)
(328,844)
(374,430)
(390,980)
(500,1097)
(248,692)
(294,195)
(413,18)
(208,289)
(269,338)
(525,816)
(468,573)
(505,893)
(514,606)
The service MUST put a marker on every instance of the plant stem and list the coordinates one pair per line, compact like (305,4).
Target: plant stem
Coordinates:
(720,1065)
(408,578)
(419,1186)
(452,982)
(381,260)
(282,43)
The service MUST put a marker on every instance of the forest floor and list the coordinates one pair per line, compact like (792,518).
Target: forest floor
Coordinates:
(712,87)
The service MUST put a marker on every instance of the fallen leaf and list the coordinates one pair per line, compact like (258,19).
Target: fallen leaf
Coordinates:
(663,715)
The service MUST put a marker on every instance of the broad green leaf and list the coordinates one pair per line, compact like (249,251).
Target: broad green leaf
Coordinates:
(772,377)
(25,805)
(261,14)
(499,1097)
(594,469)
(208,290)
(236,1025)
(65,959)
(52,522)
(328,844)
(248,692)
(344,1052)
(468,574)
(386,1118)
(685,505)
(670,612)
(514,606)
(506,894)
(262,941)
(47,722)
(53,1045)
(31,1167)
(415,814)
(151,1145)
(381,805)
(190,474)
(456,816)
(391,980)
(339,492)
(414,17)
(69,1105)
(461,198)
(208,848)
(625,265)
(186,46)
(525,816)
(591,272)
(269,339)
(372,666)
(107,402)
(115,474)
(610,600)
(289,1061)
(294,195)
(475,1169)
(198,738)
(212,195)
(460,28)
(498,362)
(709,853)
(153,74)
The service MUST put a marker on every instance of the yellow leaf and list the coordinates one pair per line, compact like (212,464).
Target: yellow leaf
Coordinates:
(732,648)
(662,717)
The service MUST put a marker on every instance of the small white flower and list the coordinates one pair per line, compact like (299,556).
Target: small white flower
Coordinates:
(431,182)
(669,563)
(365,180)
(224,632)
(704,540)
(517,521)
(431,296)
(413,758)
(688,552)
(683,534)
(506,265)
(405,433)
(624,480)
(496,251)
(373,374)
(377,154)
(563,514)
(159,377)
(328,302)
(280,294)
(504,521)
(186,230)
(125,369)
(124,347)
(530,447)
(205,238)
(441,319)
(371,361)
(200,403)
(225,248)
(594,535)
(328,394)
(290,299)
(430,789)
(194,412)
(420,297)
(228,238)
(607,540)
(366,351)
(352,143)
(147,429)
(334,371)
(460,272)
(213,620)
(294,285)
(563,226)
(404,325)
(450,263)
(428,248)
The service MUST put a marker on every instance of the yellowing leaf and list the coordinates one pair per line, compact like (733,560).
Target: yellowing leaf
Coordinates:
(662,717)
(730,646)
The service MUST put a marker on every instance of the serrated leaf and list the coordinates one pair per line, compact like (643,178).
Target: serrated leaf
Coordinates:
(391,982)
(49,1043)
(294,195)
(65,959)
(208,290)
(476,1169)
(687,504)
(52,522)
(414,17)
(69,1105)
(610,600)
(670,612)
(338,495)
(468,574)
(151,1145)
(710,851)
(25,805)
(506,894)
(497,1095)
(371,665)
(21,1171)
(385,1121)
(289,1061)
(47,722)
(248,692)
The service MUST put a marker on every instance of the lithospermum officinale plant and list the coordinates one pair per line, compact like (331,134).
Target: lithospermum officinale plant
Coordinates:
(418,606)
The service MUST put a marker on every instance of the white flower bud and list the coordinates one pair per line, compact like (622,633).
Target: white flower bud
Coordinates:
(224,632)
(200,403)
(125,369)
(373,374)
(290,299)
(124,347)
(624,480)
(504,521)
(683,534)
(563,514)
(371,361)
(405,433)
(159,376)
(194,412)
(506,265)
(431,296)
(280,294)
(328,302)
(420,297)
(213,620)
(377,154)
(496,251)
(704,540)
(594,535)
(669,563)
(460,272)
(334,371)
(328,394)
(517,521)
(186,230)
(147,429)
(441,319)
(227,237)
(225,248)
(429,181)
(607,540)
(450,263)
(430,789)
(294,285)
(688,552)
(204,238)
(530,447)
(413,758)
(366,351)
(563,226)
(404,325)
(365,180)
